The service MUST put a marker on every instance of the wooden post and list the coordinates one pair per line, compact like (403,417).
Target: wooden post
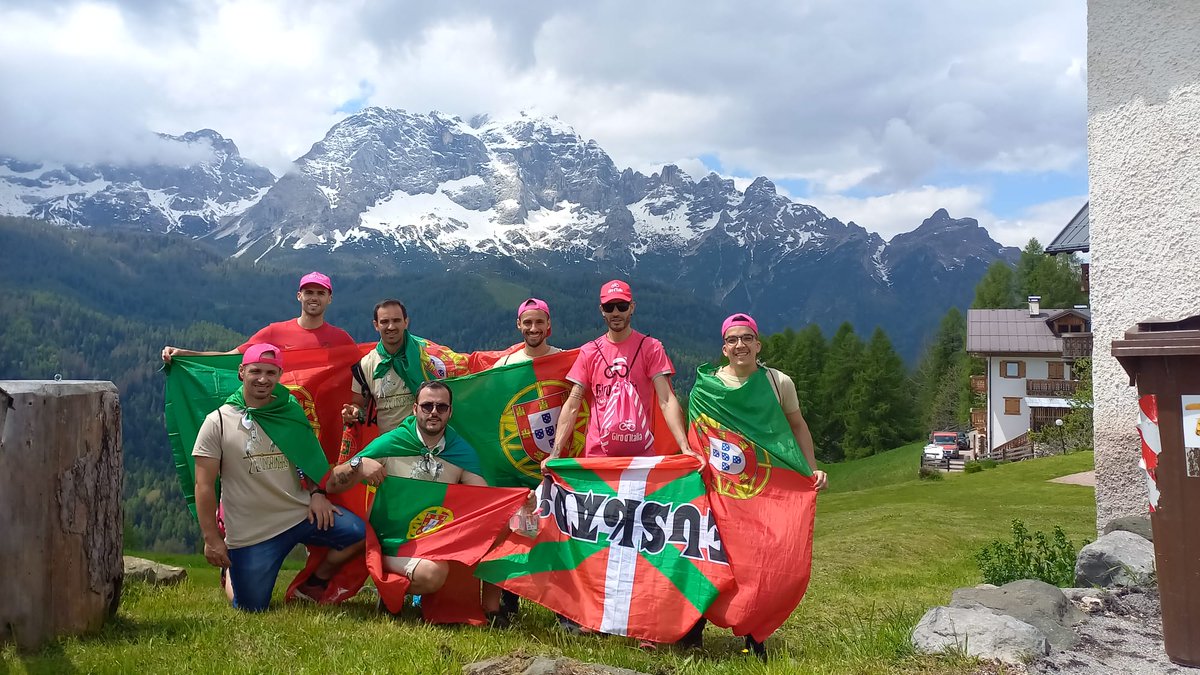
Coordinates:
(60,509)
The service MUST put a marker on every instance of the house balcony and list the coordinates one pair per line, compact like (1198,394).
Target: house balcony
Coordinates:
(1077,345)
(1053,388)
(979,384)
(979,419)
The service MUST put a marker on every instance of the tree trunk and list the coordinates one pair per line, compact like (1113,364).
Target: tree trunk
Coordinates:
(60,509)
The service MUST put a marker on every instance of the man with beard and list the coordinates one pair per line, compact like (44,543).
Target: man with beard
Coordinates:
(255,443)
(308,330)
(424,448)
(533,320)
(381,382)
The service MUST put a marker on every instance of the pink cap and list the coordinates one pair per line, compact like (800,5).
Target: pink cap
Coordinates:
(532,304)
(318,279)
(255,354)
(739,320)
(615,290)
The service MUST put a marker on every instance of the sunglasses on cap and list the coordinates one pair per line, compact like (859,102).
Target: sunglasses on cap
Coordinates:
(619,306)
(430,406)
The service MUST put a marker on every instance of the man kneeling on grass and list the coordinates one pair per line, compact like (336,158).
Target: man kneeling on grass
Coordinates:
(422,447)
(260,444)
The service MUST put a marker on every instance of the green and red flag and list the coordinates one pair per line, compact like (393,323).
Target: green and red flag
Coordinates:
(625,545)
(318,379)
(762,492)
(509,415)
(436,521)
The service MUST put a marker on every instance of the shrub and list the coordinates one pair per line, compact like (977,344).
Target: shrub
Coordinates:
(929,473)
(972,467)
(988,463)
(1051,559)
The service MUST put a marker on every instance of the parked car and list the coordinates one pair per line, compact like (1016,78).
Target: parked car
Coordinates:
(943,445)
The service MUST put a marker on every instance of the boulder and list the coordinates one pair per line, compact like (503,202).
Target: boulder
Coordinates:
(1118,558)
(1139,525)
(979,632)
(155,574)
(1034,602)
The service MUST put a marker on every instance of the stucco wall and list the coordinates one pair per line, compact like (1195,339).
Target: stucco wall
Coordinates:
(1003,428)
(1144,172)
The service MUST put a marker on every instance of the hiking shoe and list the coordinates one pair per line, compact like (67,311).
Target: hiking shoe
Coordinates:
(510,604)
(499,619)
(571,627)
(755,647)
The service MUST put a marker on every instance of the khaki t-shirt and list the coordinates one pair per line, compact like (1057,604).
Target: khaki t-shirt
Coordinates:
(393,399)
(260,488)
(785,389)
(520,356)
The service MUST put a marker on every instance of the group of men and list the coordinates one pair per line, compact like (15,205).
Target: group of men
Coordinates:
(267,505)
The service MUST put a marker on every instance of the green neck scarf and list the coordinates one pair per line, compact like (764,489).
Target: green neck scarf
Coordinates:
(406,361)
(285,424)
(406,441)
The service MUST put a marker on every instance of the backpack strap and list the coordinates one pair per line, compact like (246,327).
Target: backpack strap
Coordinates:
(631,361)
(372,412)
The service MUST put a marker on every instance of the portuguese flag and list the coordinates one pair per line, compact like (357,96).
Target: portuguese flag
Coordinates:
(423,519)
(625,545)
(510,415)
(761,490)
(319,380)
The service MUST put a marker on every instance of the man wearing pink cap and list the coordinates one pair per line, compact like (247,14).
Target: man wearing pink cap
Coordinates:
(257,444)
(622,367)
(741,347)
(305,331)
(533,320)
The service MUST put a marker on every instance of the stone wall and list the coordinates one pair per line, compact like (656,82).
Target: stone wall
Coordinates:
(1144,172)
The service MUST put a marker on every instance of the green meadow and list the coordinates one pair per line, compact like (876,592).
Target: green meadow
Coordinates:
(887,547)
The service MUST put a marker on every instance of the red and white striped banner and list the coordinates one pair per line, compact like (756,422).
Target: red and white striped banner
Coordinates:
(1151,444)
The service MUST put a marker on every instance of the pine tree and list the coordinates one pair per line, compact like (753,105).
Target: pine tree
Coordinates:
(843,359)
(944,360)
(879,412)
(997,289)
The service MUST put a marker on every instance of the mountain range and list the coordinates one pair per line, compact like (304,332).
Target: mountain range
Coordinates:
(388,191)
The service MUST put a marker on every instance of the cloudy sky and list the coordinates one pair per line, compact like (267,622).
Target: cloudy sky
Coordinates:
(877,111)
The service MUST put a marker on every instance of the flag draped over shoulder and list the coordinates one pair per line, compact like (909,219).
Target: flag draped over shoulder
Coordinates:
(318,379)
(625,545)
(763,495)
(509,415)
(436,521)
(404,441)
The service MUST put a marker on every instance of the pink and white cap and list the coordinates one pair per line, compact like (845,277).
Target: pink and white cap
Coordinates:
(318,279)
(257,353)
(739,319)
(615,290)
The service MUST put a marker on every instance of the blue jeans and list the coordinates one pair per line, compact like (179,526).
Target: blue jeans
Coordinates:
(255,568)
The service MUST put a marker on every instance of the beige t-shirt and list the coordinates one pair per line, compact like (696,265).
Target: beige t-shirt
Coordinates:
(520,356)
(785,389)
(393,399)
(260,488)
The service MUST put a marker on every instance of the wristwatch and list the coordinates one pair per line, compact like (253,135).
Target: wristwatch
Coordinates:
(355,463)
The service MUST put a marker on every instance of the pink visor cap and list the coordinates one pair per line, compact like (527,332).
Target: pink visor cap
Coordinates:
(532,304)
(615,290)
(318,279)
(256,353)
(739,320)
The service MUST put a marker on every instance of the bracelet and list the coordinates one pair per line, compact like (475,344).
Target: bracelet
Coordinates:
(319,491)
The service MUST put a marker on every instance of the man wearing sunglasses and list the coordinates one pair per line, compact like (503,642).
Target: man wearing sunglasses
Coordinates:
(620,357)
(425,448)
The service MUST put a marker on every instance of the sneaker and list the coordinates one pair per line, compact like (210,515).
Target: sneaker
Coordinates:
(647,645)
(571,627)
(312,590)
(755,647)
(510,604)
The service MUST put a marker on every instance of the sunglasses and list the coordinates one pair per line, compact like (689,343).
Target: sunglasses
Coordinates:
(429,407)
(734,339)
(610,307)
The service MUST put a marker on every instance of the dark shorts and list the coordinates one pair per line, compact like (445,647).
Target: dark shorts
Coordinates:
(255,568)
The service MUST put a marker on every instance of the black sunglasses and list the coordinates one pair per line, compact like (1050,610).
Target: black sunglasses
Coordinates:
(429,407)
(609,307)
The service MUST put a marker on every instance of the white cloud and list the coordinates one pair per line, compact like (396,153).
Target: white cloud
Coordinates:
(902,211)
(841,93)
(1041,221)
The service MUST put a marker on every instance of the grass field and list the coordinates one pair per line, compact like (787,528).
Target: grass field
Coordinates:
(887,547)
